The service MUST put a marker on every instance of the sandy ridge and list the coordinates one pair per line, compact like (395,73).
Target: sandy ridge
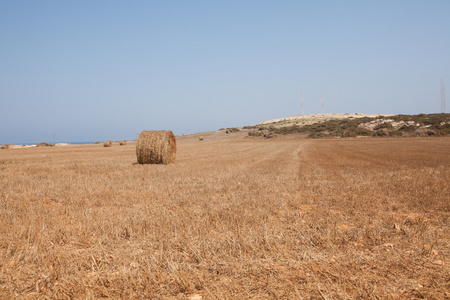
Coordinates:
(321,117)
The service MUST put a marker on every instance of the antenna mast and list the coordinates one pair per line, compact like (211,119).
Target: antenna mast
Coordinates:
(442,96)
(321,104)
(302,104)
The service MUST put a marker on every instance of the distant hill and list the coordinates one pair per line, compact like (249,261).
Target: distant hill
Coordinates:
(354,125)
(311,119)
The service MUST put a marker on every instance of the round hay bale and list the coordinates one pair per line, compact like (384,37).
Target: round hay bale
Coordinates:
(97,143)
(5,146)
(107,144)
(122,143)
(200,138)
(156,147)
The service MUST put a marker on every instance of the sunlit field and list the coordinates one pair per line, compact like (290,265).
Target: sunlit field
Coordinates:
(235,217)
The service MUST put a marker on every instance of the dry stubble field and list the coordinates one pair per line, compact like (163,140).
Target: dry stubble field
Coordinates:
(234,218)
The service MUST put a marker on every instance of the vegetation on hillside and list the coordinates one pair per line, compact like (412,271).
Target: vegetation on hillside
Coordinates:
(44,144)
(398,125)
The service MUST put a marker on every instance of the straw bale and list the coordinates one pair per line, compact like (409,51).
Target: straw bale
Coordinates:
(5,146)
(200,138)
(107,143)
(156,147)
(97,143)
(122,143)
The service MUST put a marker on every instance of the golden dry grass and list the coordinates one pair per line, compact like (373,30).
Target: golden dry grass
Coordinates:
(233,218)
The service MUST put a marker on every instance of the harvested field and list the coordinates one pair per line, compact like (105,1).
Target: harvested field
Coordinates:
(234,218)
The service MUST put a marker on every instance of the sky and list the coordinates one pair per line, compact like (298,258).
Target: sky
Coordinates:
(107,69)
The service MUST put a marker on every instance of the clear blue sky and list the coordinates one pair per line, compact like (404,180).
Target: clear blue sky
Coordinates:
(105,69)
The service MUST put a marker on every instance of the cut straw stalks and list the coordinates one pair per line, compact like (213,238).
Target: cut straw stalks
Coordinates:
(156,147)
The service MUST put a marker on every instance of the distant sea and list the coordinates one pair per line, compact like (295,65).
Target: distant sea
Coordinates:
(80,143)
(72,143)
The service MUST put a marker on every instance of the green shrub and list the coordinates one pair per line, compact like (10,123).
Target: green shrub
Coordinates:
(315,135)
(407,128)
(255,133)
(383,125)
(382,132)
(43,144)
(234,129)
(444,129)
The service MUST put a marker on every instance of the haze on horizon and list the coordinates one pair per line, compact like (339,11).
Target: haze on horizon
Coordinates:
(96,70)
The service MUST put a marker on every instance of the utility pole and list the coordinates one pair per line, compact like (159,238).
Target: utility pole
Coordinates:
(442,96)
(302,104)
(321,104)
